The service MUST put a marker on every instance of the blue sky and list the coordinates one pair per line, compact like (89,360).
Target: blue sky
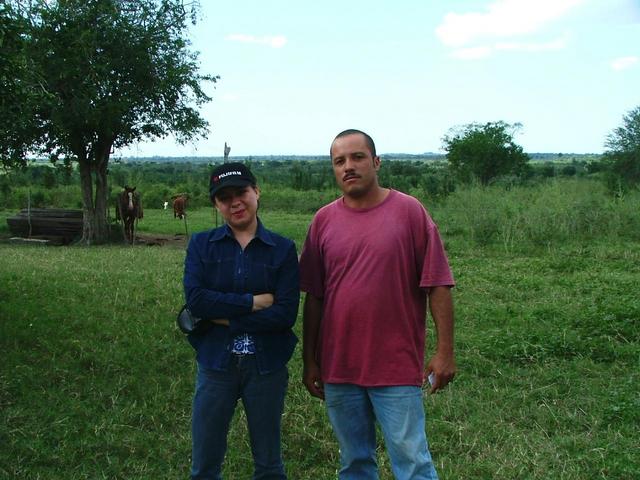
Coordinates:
(294,73)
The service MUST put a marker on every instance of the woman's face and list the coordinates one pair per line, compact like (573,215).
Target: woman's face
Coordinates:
(238,206)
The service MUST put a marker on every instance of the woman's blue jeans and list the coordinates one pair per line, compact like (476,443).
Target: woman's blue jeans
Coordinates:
(214,403)
(399,411)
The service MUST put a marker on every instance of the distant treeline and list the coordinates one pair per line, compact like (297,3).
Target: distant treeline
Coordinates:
(284,179)
(420,157)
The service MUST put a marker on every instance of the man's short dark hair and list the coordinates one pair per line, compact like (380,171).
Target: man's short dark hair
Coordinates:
(353,131)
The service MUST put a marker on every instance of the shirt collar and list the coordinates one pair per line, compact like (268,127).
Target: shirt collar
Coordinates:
(225,231)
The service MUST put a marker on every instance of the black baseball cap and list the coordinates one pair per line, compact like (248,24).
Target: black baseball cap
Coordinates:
(234,174)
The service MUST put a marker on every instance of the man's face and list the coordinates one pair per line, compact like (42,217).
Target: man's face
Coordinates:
(238,205)
(354,166)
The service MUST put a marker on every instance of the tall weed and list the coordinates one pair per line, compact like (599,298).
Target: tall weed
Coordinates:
(547,214)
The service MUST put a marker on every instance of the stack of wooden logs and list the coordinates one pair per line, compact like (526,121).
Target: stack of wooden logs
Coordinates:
(56,224)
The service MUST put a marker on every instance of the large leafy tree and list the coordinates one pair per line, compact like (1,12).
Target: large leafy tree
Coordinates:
(484,151)
(102,74)
(18,97)
(622,154)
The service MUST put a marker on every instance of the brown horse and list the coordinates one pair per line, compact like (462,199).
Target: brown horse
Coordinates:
(129,209)
(180,206)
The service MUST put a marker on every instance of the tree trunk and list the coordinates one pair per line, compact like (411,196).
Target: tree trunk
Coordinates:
(95,227)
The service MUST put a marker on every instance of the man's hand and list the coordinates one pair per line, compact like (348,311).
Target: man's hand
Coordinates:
(443,367)
(443,363)
(311,319)
(311,379)
(262,301)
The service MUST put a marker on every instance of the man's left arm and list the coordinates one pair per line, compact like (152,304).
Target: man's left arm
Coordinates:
(442,364)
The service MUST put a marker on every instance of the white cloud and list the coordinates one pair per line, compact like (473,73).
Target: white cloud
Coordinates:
(276,41)
(502,18)
(557,44)
(472,53)
(484,51)
(623,63)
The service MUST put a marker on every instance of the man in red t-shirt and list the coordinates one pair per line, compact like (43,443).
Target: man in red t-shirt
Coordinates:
(372,261)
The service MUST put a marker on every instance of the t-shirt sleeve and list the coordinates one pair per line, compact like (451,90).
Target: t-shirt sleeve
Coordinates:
(311,263)
(435,265)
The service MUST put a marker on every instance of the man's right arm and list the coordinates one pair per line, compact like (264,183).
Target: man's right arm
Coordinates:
(312,317)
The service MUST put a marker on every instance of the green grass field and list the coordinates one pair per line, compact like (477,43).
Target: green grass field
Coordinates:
(96,381)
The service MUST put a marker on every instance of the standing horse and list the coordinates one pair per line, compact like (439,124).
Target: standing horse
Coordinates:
(179,206)
(129,209)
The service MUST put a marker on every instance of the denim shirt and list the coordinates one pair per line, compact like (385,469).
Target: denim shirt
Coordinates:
(220,280)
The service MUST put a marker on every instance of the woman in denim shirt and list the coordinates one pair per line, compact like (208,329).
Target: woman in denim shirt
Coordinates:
(244,278)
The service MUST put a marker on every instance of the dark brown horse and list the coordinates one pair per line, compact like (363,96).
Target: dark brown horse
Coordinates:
(180,206)
(129,209)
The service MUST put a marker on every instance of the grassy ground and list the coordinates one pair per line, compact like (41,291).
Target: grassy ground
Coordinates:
(95,380)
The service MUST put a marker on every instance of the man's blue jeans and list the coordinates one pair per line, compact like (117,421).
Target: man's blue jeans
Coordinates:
(214,402)
(399,411)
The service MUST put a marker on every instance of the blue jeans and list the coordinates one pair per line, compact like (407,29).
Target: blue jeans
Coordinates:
(214,403)
(353,411)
